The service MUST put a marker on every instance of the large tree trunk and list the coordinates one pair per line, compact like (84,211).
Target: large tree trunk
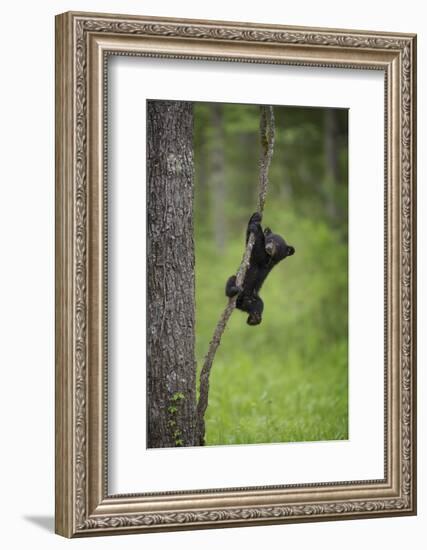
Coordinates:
(171,369)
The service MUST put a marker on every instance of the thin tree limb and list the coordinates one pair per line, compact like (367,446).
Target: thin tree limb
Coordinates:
(267,147)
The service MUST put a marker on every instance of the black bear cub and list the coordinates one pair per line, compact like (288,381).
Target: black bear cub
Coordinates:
(268,250)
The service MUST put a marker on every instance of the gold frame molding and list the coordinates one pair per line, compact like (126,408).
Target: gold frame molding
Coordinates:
(83,43)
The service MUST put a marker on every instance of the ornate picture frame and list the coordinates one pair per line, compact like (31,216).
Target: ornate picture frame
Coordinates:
(84,506)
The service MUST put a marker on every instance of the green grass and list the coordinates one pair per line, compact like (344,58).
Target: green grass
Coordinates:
(286,379)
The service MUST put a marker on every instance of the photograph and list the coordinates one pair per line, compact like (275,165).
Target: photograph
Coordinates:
(236,176)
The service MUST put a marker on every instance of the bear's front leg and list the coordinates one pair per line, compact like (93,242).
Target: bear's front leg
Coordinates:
(254,223)
(231,289)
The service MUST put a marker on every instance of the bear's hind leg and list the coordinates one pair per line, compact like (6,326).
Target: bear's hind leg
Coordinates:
(231,289)
(255,311)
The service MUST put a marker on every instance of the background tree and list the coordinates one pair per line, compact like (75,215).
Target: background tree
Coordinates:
(217,179)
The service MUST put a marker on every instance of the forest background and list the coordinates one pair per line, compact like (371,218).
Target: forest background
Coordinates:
(286,379)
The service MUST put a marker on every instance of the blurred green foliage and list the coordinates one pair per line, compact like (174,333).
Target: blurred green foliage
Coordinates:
(286,379)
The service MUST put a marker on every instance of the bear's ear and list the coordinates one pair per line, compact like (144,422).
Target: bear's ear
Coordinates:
(267,231)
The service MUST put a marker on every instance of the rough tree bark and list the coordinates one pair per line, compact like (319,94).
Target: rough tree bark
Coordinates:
(171,371)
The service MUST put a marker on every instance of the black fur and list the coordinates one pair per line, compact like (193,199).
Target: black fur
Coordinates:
(268,250)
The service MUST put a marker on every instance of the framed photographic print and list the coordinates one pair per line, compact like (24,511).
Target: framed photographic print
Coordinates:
(235,274)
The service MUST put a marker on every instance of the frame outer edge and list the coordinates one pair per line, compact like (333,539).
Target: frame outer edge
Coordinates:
(64,432)
(414,270)
(249,25)
(72,473)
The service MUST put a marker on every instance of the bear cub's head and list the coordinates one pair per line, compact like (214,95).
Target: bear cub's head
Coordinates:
(276,246)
